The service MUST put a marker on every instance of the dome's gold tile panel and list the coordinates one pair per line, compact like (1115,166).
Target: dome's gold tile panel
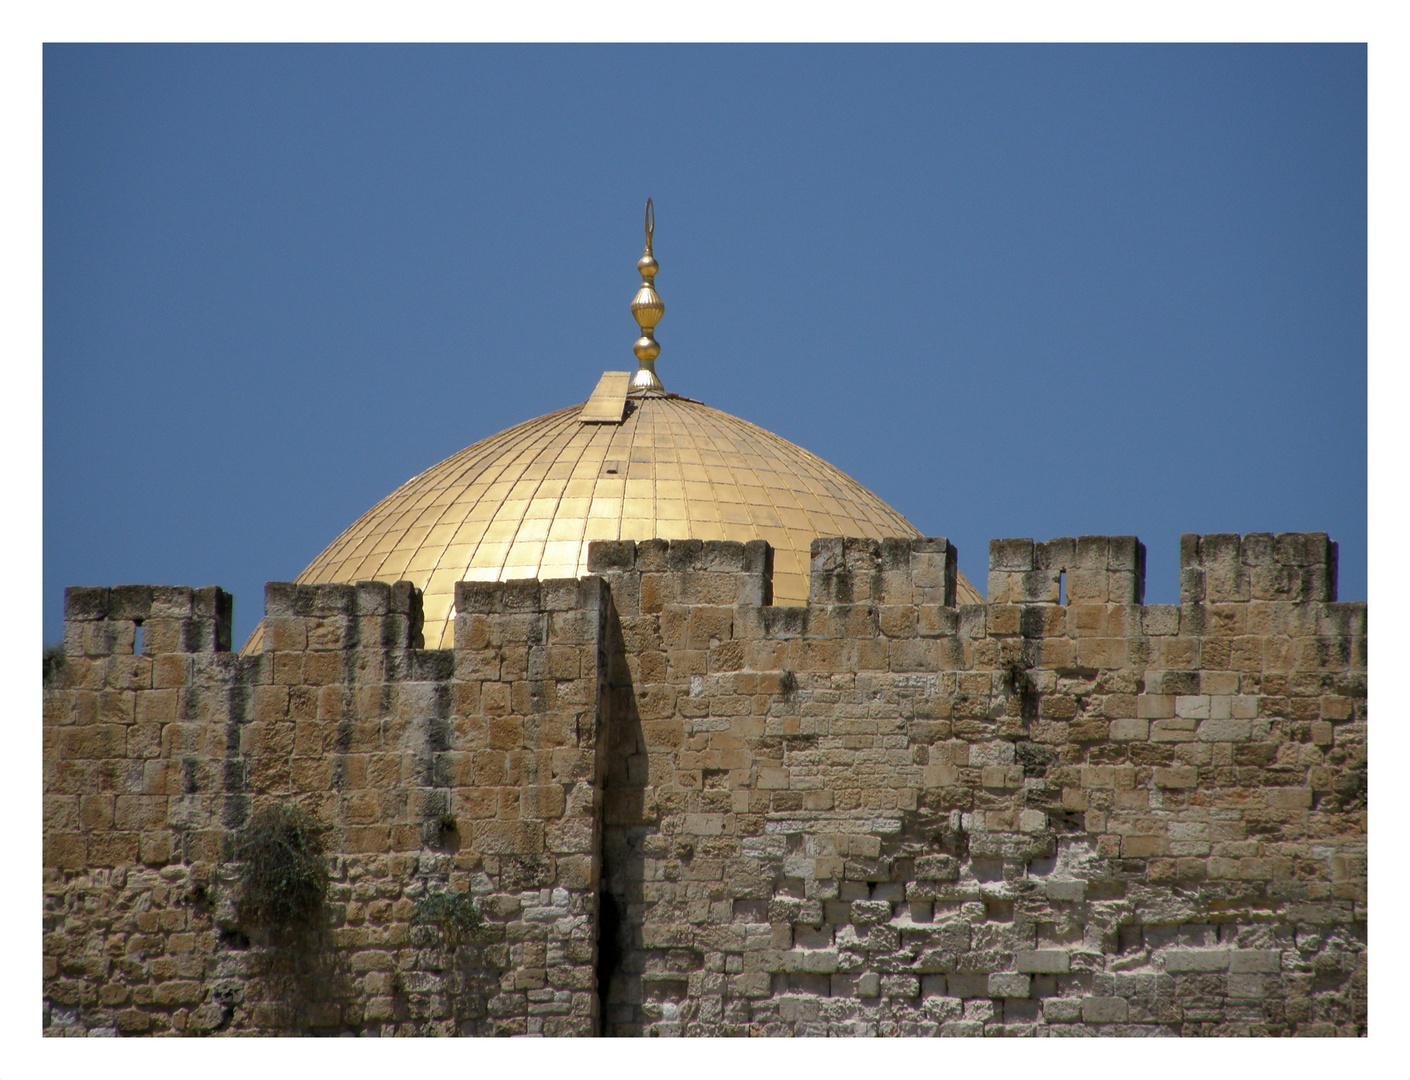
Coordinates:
(526,503)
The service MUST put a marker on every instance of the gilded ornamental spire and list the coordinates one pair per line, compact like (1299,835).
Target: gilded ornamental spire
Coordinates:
(647,309)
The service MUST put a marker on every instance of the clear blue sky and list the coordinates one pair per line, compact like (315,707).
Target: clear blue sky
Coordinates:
(1016,291)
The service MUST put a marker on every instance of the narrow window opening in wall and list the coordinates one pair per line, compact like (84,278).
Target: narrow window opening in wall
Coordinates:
(137,638)
(1062,586)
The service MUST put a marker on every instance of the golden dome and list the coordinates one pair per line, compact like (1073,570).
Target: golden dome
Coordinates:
(526,502)
(631,463)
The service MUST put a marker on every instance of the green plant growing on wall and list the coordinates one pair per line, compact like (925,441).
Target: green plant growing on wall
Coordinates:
(54,660)
(284,879)
(453,912)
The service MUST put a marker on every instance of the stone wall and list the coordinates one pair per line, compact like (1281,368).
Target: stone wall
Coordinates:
(469,771)
(681,810)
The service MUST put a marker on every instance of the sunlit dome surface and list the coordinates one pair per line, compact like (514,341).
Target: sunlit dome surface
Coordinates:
(526,502)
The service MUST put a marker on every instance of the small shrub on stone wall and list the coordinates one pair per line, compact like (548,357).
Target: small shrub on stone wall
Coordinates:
(284,878)
(453,912)
(53,663)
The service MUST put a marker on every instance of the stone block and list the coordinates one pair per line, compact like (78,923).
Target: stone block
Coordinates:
(758,558)
(1087,587)
(1057,554)
(1187,960)
(1229,730)
(1142,847)
(69,850)
(870,912)
(1179,776)
(130,602)
(900,986)
(933,986)
(84,603)
(1125,586)
(1001,776)
(1008,985)
(1155,706)
(1001,588)
(811,961)
(171,602)
(1288,798)
(1243,707)
(1104,1010)
(1192,588)
(937,868)
(1245,986)
(725,556)
(1256,549)
(1243,961)
(1011,554)
(825,555)
(1130,730)
(1092,553)
(134,1022)
(156,848)
(332,599)
(1227,586)
(611,556)
(1032,821)
(282,599)
(1065,891)
(1189,550)
(1192,706)
(861,554)
(1062,1010)
(508,837)
(967,985)
(842,986)
(1173,730)
(1042,961)
(1220,551)
(373,597)
(1302,549)
(540,801)
(1126,553)
(704,824)
(407,599)
(1160,619)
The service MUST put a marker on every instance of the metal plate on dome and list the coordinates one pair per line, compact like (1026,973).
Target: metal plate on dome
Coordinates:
(608,403)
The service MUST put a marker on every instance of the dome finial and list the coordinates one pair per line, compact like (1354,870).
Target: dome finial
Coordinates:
(647,309)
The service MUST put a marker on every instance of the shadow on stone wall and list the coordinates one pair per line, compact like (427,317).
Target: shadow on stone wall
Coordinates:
(629,823)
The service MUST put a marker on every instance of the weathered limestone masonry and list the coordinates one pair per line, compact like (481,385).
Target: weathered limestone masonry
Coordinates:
(681,810)
(466,769)
(888,814)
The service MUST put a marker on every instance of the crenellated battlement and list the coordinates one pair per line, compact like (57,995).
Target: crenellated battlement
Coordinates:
(659,572)
(1224,568)
(371,614)
(896,571)
(172,619)
(1216,568)
(677,808)
(1088,569)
